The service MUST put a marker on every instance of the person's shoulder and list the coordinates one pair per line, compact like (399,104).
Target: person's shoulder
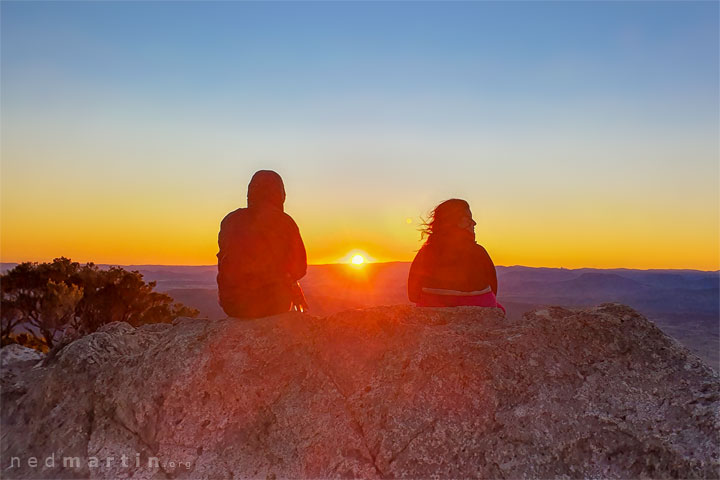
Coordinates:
(289,221)
(481,252)
(230,217)
(480,248)
(422,253)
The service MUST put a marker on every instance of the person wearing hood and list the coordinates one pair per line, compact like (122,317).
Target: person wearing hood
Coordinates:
(261,254)
(451,269)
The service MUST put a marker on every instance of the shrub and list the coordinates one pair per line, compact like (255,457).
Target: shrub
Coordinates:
(64,296)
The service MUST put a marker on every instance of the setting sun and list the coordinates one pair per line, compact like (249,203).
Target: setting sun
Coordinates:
(357,258)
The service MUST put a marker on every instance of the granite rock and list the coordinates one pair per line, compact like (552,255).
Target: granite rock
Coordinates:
(394,391)
(15,363)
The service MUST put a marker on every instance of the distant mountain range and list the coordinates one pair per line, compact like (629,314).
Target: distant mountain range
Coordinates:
(684,303)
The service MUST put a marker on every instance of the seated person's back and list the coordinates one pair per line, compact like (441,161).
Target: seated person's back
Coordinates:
(451,269)
(261,253)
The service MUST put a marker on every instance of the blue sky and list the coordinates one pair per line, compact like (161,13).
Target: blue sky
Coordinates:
(373,112)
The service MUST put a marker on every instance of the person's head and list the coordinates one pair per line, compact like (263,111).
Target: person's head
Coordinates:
(451,218)
(266,188)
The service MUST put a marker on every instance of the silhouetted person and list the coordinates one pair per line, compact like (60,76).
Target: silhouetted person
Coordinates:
(261,255)
(451,269)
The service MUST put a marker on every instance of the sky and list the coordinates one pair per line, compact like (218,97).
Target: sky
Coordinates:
(581,134)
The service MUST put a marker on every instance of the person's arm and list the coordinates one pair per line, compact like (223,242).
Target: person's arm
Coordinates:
(489,268)
(297,267)
(416,277)
(222,240)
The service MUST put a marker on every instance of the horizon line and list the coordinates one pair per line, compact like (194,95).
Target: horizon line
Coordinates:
(146,265)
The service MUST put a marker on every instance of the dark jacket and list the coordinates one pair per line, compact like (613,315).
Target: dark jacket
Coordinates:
(455,263)
(261,253)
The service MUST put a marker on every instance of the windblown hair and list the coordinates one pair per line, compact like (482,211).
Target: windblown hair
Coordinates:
(443,218)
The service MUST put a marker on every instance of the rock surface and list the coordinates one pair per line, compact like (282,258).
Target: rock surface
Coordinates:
(13,354)
(382,392)
(15,361)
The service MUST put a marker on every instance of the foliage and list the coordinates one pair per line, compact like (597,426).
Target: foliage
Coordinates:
(50,299)
(26,340)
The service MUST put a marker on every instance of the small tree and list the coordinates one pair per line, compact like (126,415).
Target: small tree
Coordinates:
(11,316)
(50,297)
(55,308)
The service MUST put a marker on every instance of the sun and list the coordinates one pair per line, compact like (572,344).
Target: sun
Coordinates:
(356,258)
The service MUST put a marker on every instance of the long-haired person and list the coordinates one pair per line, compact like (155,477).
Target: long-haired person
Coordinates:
(451,269)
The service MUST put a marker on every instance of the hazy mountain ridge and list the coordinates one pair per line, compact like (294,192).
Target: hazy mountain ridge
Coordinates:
(685,303)
(335,287)
(682,302)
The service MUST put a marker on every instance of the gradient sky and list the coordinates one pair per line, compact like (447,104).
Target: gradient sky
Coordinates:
(582,134)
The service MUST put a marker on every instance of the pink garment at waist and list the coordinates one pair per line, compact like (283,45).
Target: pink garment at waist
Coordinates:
(433,300)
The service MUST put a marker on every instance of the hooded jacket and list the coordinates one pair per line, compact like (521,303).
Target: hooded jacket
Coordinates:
(260,247)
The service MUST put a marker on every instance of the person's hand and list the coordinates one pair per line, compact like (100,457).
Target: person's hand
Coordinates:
(298,298)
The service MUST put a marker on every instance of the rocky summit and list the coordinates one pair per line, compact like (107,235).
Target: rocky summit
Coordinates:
(377,393)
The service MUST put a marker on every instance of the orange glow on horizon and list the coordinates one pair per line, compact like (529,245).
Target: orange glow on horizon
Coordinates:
(134,234)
